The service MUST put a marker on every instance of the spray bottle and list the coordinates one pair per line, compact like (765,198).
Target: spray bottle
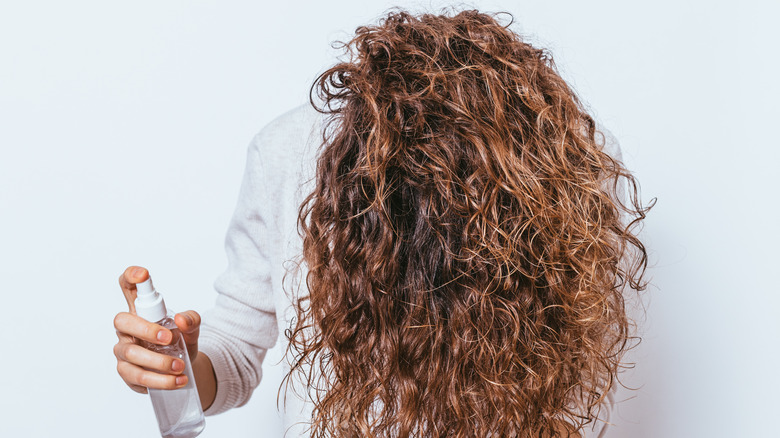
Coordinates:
(179,413)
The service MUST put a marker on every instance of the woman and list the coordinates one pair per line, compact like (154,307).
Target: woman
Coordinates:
(463,240)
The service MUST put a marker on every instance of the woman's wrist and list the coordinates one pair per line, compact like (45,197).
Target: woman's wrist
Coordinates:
(205,379)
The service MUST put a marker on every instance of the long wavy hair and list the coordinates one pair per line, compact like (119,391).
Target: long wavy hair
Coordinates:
(467,245)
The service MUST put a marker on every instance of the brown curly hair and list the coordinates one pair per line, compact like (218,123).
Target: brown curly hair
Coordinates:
(466,243)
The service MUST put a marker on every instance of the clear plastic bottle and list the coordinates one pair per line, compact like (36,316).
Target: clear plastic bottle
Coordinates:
(179,413)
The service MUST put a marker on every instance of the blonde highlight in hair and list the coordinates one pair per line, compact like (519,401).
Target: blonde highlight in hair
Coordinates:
(466,244)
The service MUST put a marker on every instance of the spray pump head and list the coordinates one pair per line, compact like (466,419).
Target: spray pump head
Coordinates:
(149,304)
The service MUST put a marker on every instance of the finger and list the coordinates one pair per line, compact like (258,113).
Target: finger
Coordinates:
(138,389)
(139,328)
(137,376)
(128,280)
(127,339)
(138,355)
(124,337)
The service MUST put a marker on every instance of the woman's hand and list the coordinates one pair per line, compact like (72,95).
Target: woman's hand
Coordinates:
(141,368)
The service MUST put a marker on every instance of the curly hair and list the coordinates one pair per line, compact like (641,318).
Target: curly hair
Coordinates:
(466,242)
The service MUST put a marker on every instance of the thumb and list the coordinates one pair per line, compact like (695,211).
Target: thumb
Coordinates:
(189,324)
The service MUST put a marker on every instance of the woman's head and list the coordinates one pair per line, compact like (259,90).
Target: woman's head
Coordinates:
(466,247)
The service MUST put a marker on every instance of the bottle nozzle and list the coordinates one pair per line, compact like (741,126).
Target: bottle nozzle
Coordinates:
(149,304)
(146,287)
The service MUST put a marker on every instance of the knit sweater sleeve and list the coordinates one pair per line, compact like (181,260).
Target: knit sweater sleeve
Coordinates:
(600,426)
(612,148)
(242,326)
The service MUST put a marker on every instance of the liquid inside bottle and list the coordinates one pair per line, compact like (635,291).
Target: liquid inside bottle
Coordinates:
(179,413)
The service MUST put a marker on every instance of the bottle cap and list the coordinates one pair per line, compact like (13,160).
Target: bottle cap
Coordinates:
(149,304)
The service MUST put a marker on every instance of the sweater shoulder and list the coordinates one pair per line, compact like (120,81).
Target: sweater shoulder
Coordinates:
(298,124)
(289,140)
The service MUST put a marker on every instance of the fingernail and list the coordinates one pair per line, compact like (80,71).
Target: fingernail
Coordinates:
(138,272)
(164,336)
(181,380)
(177,365)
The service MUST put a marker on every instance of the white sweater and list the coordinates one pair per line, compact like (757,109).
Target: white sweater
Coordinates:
(253,308)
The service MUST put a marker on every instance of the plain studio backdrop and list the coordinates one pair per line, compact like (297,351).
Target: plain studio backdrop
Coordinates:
(123,134)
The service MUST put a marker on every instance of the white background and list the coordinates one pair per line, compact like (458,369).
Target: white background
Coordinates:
(123,131)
